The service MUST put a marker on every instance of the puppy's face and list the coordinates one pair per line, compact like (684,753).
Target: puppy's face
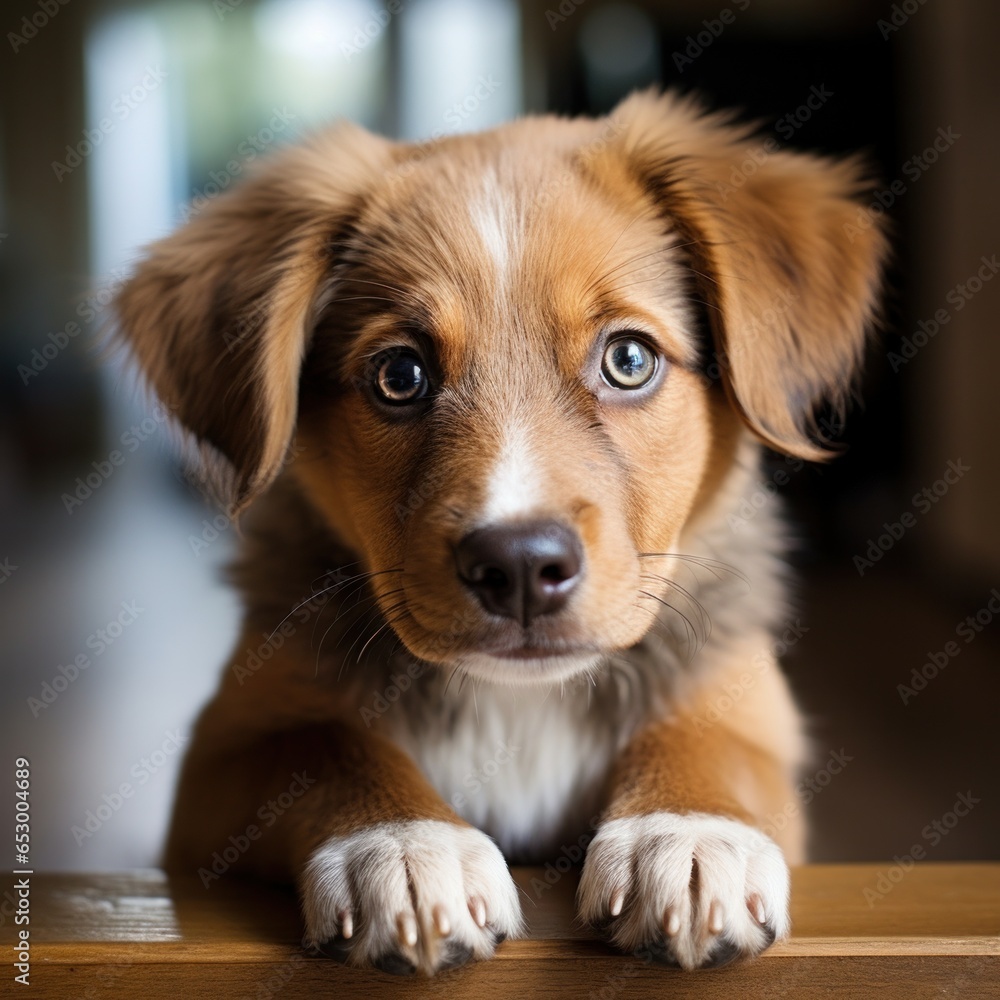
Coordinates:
(500,344)
(505,405)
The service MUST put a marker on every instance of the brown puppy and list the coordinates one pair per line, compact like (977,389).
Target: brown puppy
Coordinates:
(495,400)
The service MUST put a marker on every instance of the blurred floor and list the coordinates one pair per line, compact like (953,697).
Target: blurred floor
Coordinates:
(88,732)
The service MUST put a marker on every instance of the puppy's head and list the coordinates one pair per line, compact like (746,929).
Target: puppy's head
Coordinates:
(495,355)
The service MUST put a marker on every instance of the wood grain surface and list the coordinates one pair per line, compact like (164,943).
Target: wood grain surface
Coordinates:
(934,933)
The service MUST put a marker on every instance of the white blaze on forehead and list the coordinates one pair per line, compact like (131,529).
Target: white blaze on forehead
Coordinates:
(514,486)
(494,216)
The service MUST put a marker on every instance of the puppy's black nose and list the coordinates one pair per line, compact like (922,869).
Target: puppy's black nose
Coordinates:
(521,570)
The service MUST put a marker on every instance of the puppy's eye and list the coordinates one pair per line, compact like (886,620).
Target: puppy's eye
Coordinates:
(628,363)
(400,378)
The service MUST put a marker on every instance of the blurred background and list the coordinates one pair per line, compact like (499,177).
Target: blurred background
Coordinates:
(119,118)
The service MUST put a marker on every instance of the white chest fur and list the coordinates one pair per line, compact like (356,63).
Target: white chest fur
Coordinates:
(526,766)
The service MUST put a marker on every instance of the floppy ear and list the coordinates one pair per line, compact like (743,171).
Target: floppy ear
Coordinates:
(783,257)
(219,314)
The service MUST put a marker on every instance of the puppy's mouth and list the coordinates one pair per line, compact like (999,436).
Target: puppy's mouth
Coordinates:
(526,665)
(527,652)
(499,652)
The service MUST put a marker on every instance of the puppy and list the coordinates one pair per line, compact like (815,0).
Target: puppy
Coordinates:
(488,407)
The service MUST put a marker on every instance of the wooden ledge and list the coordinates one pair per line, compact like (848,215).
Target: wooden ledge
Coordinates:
(934,932)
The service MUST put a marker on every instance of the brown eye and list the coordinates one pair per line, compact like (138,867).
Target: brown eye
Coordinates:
(400,378)
(628,363)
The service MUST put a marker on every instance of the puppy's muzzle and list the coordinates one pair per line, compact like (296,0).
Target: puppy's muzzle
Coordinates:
(521,570)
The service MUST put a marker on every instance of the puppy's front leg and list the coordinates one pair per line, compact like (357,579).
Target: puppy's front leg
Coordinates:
(389,876)
(679,869)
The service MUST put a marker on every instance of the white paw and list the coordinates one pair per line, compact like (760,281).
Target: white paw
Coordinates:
(416,895)
(692,890)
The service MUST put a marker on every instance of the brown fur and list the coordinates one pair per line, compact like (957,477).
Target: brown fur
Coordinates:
(256,323)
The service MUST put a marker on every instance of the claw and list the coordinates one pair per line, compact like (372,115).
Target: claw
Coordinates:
(756,907)
(407,925)
(716,918)
(346,920)
(478,910)
(441,921)
(617,901)
(671,922)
